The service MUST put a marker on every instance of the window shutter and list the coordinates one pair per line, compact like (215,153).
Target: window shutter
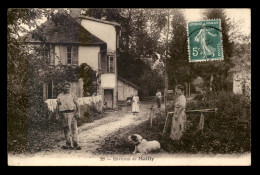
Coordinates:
(108,61)
(49,90)
(75,55)
(63,54)
(52,55)
(44,91)
(69,54)
(112,64)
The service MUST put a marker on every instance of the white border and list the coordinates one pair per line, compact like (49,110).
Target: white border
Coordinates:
(133,160)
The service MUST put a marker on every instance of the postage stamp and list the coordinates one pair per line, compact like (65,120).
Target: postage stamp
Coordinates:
(205,40)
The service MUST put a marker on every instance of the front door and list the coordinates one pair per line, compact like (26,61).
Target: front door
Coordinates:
(108,98)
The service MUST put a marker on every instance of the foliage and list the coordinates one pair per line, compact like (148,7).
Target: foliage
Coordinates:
(242,57)
(219,69)
(178,65)
(88,114)
(17,75)
(89,79)
(151,82)
(226,132)
(141,74)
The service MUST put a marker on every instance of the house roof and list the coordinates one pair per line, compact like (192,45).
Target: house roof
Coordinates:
(100,20)
(67,31)
(128,82)
(198,81)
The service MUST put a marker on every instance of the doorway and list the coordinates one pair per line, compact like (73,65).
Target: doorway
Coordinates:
(108,98)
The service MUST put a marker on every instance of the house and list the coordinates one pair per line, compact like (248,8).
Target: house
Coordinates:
(242,83)
(80,39)
(198,83)
(126,89)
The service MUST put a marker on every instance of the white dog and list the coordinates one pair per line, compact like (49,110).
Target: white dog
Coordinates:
(142,145)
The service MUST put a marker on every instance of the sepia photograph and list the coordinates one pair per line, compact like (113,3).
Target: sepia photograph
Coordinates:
(129,86)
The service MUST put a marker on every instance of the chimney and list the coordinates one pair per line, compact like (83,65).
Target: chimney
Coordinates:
(75,13)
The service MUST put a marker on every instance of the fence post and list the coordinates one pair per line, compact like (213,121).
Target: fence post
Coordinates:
(201,124)
(165,123)
(151,116)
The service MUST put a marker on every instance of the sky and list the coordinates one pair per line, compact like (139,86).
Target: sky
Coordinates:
(242,16)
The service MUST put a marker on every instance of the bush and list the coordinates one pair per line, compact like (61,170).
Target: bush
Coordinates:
(199,97)
(226,131)
(88,113)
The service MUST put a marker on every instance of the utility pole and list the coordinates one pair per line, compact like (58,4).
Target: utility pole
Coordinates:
(166,73)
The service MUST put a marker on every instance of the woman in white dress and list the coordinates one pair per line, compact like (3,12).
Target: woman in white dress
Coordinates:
(135,105)
(179,116)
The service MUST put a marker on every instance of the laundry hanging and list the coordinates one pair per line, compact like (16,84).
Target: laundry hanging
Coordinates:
(52,103)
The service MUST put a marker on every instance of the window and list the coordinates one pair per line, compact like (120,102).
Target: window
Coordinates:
(51,89)
(69,55)
(46,52)
(110,64)
(72,55)
(49,53)
(48,90)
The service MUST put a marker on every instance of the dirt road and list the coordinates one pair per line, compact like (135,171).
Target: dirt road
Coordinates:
(92,135)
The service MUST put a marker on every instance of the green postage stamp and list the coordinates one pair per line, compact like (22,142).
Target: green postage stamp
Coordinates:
(205,40)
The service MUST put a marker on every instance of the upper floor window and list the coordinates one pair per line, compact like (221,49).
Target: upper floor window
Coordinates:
(110,64)
(49,54)
(72,55)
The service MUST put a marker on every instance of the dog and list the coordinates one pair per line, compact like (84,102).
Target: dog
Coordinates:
(142,145)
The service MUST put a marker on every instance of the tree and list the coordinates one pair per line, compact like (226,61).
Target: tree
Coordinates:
(178,64)
(241,58)
(18,71)
(219,70)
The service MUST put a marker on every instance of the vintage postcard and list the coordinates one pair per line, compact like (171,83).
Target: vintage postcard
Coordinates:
(129,87)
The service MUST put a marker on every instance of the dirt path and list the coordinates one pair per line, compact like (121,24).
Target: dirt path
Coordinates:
(92,135)
(91,139)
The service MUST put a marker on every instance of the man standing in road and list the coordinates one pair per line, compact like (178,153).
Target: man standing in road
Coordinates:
(68,110)
(158,98)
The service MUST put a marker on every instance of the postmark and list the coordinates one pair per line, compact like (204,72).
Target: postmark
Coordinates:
(205,40)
